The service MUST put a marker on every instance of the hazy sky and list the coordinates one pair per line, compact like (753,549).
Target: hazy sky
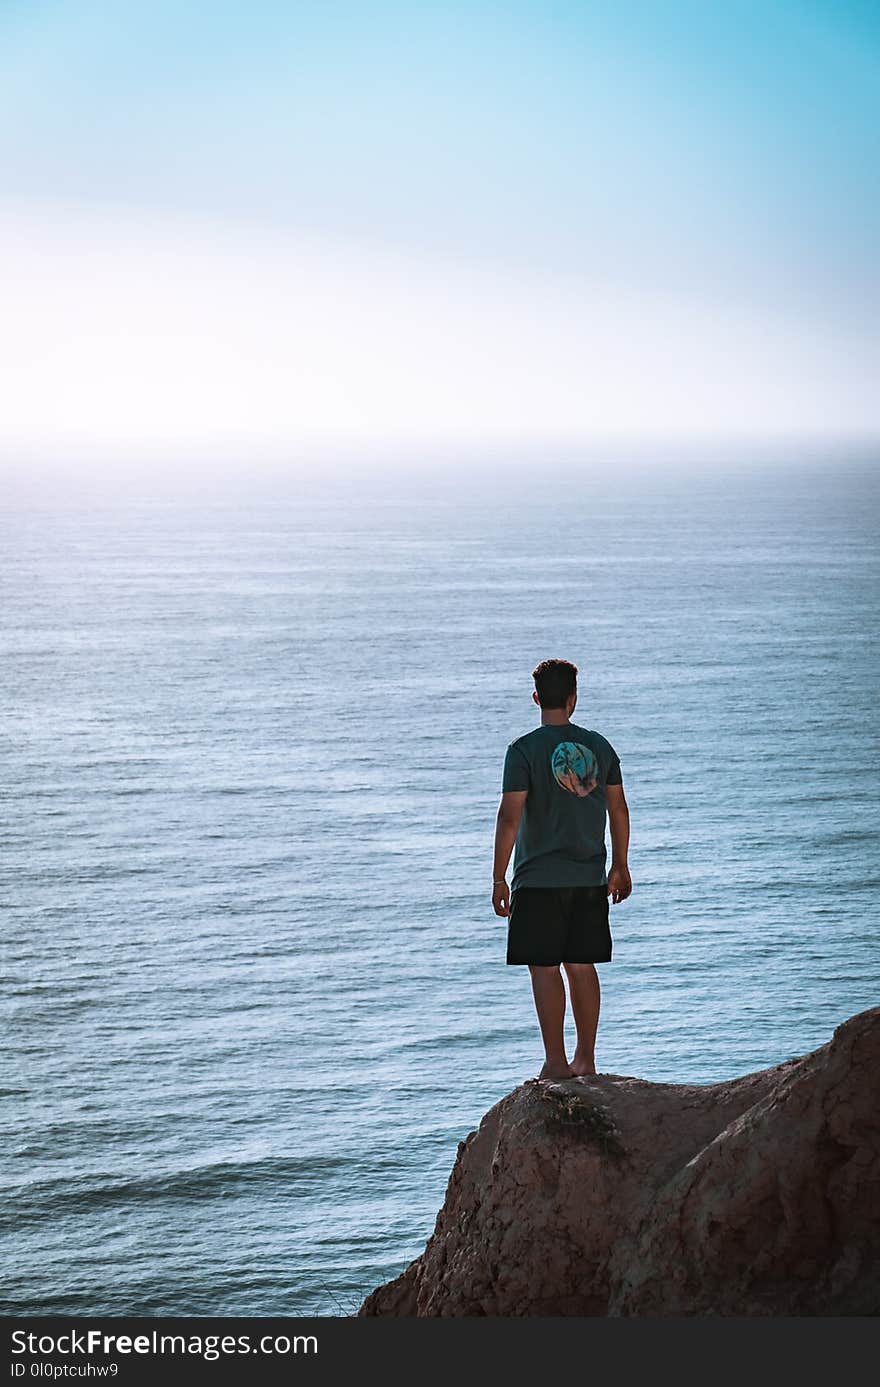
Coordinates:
(277,225)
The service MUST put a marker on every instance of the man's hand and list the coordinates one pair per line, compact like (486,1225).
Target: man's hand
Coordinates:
(619,882)
(501,898)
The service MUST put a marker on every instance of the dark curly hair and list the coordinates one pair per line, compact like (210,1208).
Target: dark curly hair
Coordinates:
(555,682)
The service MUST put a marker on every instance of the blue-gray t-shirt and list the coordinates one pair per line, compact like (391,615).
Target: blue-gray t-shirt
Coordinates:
(561,839)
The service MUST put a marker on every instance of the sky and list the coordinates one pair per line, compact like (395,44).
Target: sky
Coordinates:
(281,227)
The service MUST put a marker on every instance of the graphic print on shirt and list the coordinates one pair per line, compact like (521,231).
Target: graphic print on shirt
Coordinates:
(575,768)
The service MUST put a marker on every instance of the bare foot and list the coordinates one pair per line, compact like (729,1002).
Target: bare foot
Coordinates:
(582,1065)
(556,1071)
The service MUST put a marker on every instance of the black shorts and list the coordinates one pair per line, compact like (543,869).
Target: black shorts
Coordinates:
(559,924)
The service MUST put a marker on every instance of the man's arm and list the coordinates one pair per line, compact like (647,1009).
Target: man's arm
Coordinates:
(506,827)
(619,879)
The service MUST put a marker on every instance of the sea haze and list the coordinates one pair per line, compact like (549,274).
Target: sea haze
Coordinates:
(254,990)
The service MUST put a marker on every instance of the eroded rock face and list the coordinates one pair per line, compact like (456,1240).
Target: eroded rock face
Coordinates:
(613,1196)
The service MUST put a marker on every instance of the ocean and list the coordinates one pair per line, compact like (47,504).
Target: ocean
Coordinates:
(253,989)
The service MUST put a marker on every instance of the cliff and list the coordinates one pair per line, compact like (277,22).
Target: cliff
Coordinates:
(614,1196)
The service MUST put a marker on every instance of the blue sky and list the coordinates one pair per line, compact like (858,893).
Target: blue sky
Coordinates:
(720,157)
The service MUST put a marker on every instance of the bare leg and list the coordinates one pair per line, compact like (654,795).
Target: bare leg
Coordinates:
(549,991)
(583,987)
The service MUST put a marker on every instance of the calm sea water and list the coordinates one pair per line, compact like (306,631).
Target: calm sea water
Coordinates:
(254,990)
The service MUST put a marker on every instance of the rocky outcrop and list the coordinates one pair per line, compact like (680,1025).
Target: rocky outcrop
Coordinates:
(614,1196)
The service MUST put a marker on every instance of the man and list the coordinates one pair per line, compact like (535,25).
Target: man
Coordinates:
(559,780)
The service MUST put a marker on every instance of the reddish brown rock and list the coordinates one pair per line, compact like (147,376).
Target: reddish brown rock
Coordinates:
(613,1196)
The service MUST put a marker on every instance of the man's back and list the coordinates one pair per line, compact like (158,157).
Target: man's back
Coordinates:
(564,769)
